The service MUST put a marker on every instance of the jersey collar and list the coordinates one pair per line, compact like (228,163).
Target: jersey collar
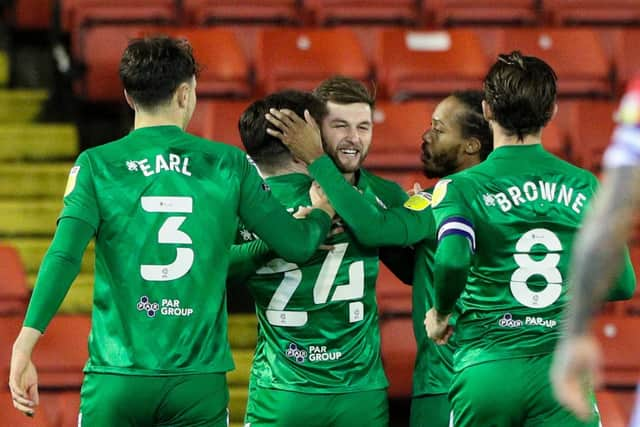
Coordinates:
(515,151)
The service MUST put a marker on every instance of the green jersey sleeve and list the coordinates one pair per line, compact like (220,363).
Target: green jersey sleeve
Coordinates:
(246,258)
(295,240)
(625,286)
(399,226)
(80,199)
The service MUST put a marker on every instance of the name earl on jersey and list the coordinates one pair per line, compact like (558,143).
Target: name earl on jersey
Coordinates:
(172,163)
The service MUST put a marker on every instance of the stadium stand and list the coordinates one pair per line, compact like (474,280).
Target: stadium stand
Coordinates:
(218,120)
(626,64)
(591,12)
(300,58)
(460,12)
(13,282)
(225,12)
(393,296)
(369,12)
(620,347)
(429,63)
(398,353)
(590,137)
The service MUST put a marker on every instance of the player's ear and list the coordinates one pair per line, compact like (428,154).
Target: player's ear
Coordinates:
(129,100)
(472,146)
(182,94)
(486,111)
(555,110)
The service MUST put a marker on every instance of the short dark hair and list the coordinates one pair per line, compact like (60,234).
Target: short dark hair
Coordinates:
(345,90)
(472,122)
(152,68)
(521,91)
(263,148)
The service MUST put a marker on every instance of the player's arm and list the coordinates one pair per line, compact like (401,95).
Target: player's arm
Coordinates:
(456,245)
(625,286)
(293,239)
(600,245)
(397,226)
(246,258)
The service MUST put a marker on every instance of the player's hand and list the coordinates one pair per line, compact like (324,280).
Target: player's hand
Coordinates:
(301,136)
(438,327)
(415,190)
(319,199)
(23,383)
(575,367)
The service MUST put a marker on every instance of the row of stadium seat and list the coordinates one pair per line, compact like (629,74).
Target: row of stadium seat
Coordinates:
(77,13)
(242,63)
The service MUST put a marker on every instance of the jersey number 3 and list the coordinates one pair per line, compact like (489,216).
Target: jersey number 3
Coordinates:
(170,233)
(276,313)
(546,267)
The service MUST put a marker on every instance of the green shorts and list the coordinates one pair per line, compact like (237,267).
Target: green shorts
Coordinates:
(271,407)
(510,393)
(130,400)
(431,410)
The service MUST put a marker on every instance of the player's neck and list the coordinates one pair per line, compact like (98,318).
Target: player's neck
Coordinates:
(350,177)
(268,172)
(145,119)
(501,138)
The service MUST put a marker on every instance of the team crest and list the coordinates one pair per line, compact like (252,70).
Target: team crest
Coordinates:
(419,201)
(439,192)
(71,181)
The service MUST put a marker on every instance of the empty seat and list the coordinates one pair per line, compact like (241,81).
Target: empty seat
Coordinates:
(627,63)
(77,13)
(407,178)
(584,74)
(419,63)
(332,12)
(611,412)
(225,69)
(62,352)
(620,346)
(217,120)
(208,12)
(398,355)
(301,58)
(590,127)
(590,12)
(13,282)
(398,130)
(33,14)
(447,12)
(554,140)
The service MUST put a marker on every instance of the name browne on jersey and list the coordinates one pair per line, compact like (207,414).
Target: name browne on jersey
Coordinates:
(174,163)
(515,196)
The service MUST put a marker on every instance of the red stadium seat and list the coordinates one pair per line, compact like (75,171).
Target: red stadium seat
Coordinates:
(554,140)
(394,297)
(62,352)
(331,12)
(301,58)
(592,12)
(398,130)
(13,282)
(398,355)
(217,120)
(208,12)
(11,417)
(418,63)
(620,346)
(62,407)
(9,329)
(33,14)
(78,13)
(611,412)
(100,49)
(406,179)
(225,69)
(447,12)
(590,128)
(627,64)
(584,74)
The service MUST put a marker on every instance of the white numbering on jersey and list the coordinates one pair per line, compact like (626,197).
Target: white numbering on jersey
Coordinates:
(276,313)
(547,267)
(169,233)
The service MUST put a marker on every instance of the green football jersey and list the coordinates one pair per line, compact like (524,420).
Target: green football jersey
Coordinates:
(165,207)
(520,210)
(318,321)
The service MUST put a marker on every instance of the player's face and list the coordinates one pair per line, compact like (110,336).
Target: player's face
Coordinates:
(347,132)
(442,143)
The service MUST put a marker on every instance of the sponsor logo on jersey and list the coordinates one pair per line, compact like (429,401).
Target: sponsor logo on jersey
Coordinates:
(316,353)
(507,321)
(419,201)
(71,181)
(167,307)
(439,192)
(539,321)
